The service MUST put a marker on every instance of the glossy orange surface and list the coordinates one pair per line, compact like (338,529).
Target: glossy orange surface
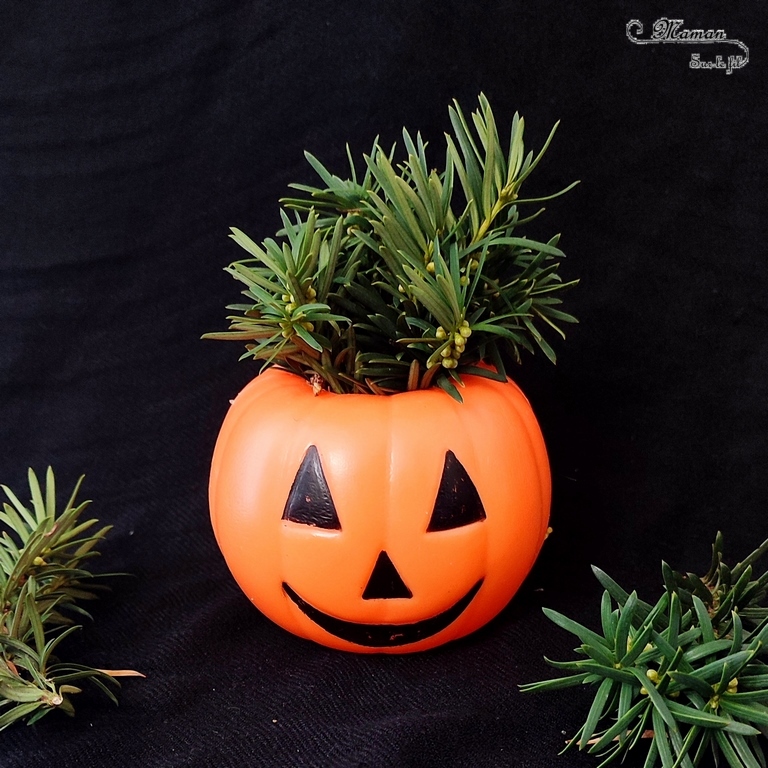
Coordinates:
(382,458)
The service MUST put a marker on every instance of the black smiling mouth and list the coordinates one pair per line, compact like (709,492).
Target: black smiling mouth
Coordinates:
(383,635)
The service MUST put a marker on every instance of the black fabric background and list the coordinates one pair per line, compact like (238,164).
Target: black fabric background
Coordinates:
(133,135)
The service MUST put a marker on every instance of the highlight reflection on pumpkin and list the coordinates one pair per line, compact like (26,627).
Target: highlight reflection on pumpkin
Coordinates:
(379,524)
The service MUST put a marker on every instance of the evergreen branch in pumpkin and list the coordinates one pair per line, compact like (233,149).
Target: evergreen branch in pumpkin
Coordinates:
(409,277)
(687,676)
(42,584)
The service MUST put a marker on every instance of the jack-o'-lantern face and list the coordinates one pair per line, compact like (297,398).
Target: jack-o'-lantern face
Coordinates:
(310,503)
(379,524)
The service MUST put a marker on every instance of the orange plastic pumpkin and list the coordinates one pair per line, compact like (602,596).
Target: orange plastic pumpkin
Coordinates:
(376,523)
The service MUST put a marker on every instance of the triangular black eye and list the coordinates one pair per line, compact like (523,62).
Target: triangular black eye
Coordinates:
(458,502)
(309,501)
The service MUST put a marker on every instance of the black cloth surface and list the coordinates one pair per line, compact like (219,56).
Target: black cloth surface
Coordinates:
(132,135)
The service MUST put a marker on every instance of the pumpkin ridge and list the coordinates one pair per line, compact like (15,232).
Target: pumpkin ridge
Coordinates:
(531,428)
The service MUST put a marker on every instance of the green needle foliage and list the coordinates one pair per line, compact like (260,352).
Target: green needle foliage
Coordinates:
(42,584)
(686,676)
(405,277)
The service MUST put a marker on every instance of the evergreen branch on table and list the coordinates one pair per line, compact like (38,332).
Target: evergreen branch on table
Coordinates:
(406,276)
(688,675)
(42,584)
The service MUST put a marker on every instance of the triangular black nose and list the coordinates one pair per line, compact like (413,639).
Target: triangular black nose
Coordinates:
(385,581)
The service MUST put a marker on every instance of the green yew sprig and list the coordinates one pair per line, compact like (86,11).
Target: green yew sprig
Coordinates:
(43,583)
(407,276)
(688,675)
